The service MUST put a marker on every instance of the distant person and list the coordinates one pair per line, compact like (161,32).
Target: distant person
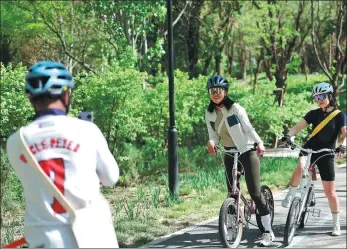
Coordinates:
(325,139)
(72,152)
(227,122)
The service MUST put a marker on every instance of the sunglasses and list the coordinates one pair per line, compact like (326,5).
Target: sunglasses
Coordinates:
(319,97)
(214,90)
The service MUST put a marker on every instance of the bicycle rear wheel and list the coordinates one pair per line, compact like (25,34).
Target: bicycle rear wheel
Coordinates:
(310,199)
(266,191)
(230,231)
(291,223)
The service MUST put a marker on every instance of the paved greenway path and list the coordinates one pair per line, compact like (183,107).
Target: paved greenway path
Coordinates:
(316,233)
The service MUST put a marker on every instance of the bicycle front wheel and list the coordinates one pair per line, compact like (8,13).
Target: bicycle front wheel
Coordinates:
(230,230)
(291,223)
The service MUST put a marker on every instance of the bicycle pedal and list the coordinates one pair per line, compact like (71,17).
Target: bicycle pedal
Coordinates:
(316,212)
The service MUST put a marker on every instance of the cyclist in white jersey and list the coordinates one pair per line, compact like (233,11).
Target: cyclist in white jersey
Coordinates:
(72,152)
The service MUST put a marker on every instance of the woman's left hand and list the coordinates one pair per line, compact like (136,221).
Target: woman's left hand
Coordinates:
(340,150)
(260,149)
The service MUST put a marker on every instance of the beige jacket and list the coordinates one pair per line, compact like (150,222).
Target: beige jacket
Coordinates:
(238,126)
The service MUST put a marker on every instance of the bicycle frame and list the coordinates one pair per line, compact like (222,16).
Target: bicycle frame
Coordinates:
(235,191)
(306,177)
(306,180)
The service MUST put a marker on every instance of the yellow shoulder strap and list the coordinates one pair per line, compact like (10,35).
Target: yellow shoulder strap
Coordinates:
(324,122)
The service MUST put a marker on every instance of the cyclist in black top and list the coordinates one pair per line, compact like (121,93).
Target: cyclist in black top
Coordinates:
(325,138)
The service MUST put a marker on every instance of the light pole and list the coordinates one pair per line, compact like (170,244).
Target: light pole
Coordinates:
(172,132)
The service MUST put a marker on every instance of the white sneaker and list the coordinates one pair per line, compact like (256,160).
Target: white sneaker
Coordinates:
(267,238)
(336,230)
(287,200)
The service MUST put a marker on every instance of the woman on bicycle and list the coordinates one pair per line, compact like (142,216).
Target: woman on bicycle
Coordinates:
(227,122)
(325,139)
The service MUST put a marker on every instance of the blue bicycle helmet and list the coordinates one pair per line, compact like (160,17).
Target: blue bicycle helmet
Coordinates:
(217,81)
(47,77)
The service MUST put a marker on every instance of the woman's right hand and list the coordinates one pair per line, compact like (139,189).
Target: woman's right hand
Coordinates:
(211,148)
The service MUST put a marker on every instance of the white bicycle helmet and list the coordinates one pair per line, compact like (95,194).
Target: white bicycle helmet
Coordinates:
(322,88)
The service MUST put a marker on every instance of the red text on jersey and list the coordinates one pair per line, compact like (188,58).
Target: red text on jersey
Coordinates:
(56,142)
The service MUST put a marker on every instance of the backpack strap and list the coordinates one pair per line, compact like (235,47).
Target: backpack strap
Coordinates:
(323,123)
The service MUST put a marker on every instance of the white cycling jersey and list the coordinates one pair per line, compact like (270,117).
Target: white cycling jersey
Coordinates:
(75,155)
(238,125)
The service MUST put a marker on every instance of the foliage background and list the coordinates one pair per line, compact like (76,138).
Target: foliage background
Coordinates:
(118,53)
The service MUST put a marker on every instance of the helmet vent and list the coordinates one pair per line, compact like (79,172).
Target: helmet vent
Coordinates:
(38,82)
(64,77)
(60,68)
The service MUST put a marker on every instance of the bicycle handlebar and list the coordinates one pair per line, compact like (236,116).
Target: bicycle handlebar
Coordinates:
(239,150)
(294,145)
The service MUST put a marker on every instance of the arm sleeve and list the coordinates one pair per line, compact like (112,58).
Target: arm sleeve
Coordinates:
(343,119)
(211,132)
(107,167)
(247,126)
(309,117)
(12,151)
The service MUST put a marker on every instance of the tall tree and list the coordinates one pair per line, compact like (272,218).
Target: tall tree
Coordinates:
(139,24)
(218,19)
(192,37)
(284,29)
(20,34)
(330,20)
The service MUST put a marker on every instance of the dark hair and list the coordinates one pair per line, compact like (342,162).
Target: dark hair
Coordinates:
(227,102)
(44,100)
(332,100)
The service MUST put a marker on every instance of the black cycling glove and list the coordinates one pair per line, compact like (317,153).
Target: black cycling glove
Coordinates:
(286,138)
(341,149)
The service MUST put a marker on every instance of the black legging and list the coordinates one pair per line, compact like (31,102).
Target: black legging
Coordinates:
(251,164)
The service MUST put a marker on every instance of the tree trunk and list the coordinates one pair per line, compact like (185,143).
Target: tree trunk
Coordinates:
(281,86)
(218,62)
(330,41)
(279,96)
(5,55)
(230,64)
(243,64)
(256,74)
(267,66)
(230,59)
(207,62)
(192,36)
(304,55)
(250,67)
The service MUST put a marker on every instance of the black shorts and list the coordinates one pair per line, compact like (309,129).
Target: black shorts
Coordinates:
(325,164)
